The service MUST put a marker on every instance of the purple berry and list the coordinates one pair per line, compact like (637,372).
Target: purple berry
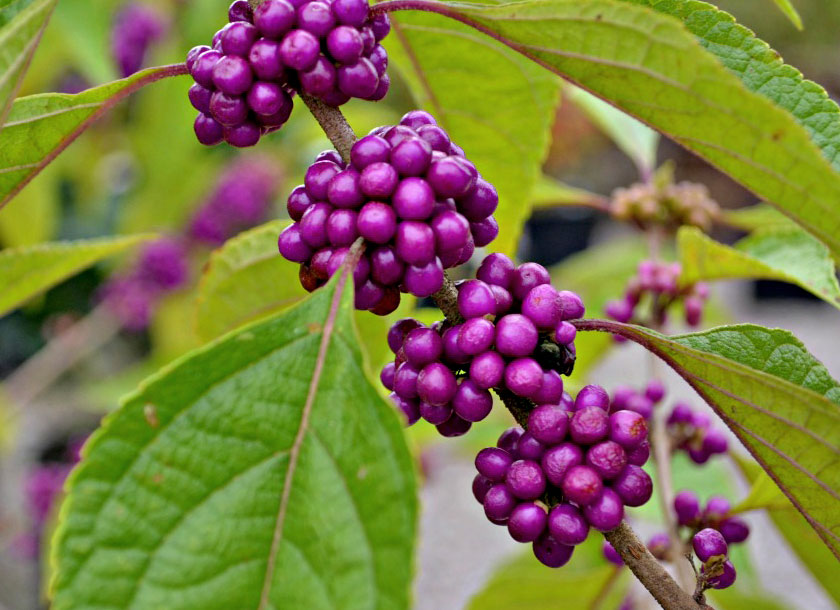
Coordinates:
(238,38)
(422,346)
(319,80)
(413,198)
(606,512)
(571,305)
(548,424)
(411,157)
(437,138)
(475,299)
(540,305)
(687,507)
(232,75)
(377,222)
(424,280)
(634,486)
(499,502)
(509,439)
(398,331)
(551,553)
(529,448)
(717,508)
(655,390)
(516,335)
(709,543)
(487,369)
(229,110)
(523,377)
(480,486)
(386,268)
(351,12)
(379,180)
(607,458)
(435,414)
(611,555)
(313,224)
(592,396)
(589,425)
(641,405)
(714,441)
(484,232)
(265,61)
(358,79)
(407,407)
(493,463)
(344,43)
(525,479)
(299,49)
(504,300)
(557,461)
(454,426)
(318,178)
(244,135)
(527,522)
(343,190)
(315,17)
(496,269)
(274,17)
(582,485)
(476,336)
(208,131)
(200,98)
(451,352)
(526,277)
(567,525)
(471,402)
(451,228)
(369,149)
(405,381)
(436,384)
(725,579)
(551,391)
(202,68)
(734,530)
(240,10)
(415,242)
(292,246)
(479,203)
(628,429)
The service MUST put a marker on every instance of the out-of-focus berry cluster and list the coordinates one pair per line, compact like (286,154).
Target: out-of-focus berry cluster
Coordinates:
(575,468)
(328,49)
(515,337)
(241,199)
(136,27)
(691,431)
(410,193)
(669,205)
(655,289)
(642,402)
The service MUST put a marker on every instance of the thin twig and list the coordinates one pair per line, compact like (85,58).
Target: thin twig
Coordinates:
(333,123)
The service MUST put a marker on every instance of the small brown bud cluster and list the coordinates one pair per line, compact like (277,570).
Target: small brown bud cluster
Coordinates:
(670,205)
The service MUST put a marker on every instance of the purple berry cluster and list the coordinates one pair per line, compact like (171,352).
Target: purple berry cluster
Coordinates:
(161,268)
(711,548)
(658,284)
(328,49)
(575,468)
(444,373)
(241,198)
(410,193)
(691,431)
(627,398)
(136,27)
(716,515)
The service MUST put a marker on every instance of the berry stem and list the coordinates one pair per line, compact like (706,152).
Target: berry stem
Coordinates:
(333,123)
(650,572)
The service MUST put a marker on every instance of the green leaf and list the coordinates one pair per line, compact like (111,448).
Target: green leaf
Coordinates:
(22,23)
(764,493)
(549,192)
(729,99)
(636,140)
(776,397)
(736,599)
(526,583)
(494,103)
(800,536)
(41,126)
(261,471)
(26,271)
(785,254)
(786,6)
(244,280)
(759,216)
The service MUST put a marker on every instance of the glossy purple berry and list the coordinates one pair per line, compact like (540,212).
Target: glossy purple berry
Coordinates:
(480,202)
(592,396)
(476,336)
(319,80)
(344,190)
(369,149)
(379,180)
(344,43)
(208,131)
(496,269)
(628,429)
(529,448)
(571,305)
(451,229)
(385,267)
(589,425)
(415,242)
(436,384)
(450,177)
(475,299)
(611,555)
(422,346)
(292,246)
(551,553)
(717,507)
(567,525)
(487,369)
(509,439)
(299,49)
(435,414)
(493,463)
(454,426)
(606,512)
(240,10)
(714,441)
(734,530)
(411,157)
(480,486)
(525,480)
(708,543)
(318,177)
(274,17)
(413,198)
(424,280)
(200,98)
(238,38)
(527,522)
(229,110)
(203,65)
(405,380)
(655,390)
(351,12)
(540,305)
(358,79)
(565,333)
(484,232)
(634,486)
(499,501)
(516,335)
(471,402)
(232,75)
(526,277)
(244,135)
(523,377)
(557,461)
(377,222)
(398,331)
(548,424)
(551,391)
(407,407)
(582,485)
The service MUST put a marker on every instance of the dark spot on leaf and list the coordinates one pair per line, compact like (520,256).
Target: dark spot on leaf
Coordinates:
(150,413)
(157,478)
(777,135)
(314,327)
(598,17)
